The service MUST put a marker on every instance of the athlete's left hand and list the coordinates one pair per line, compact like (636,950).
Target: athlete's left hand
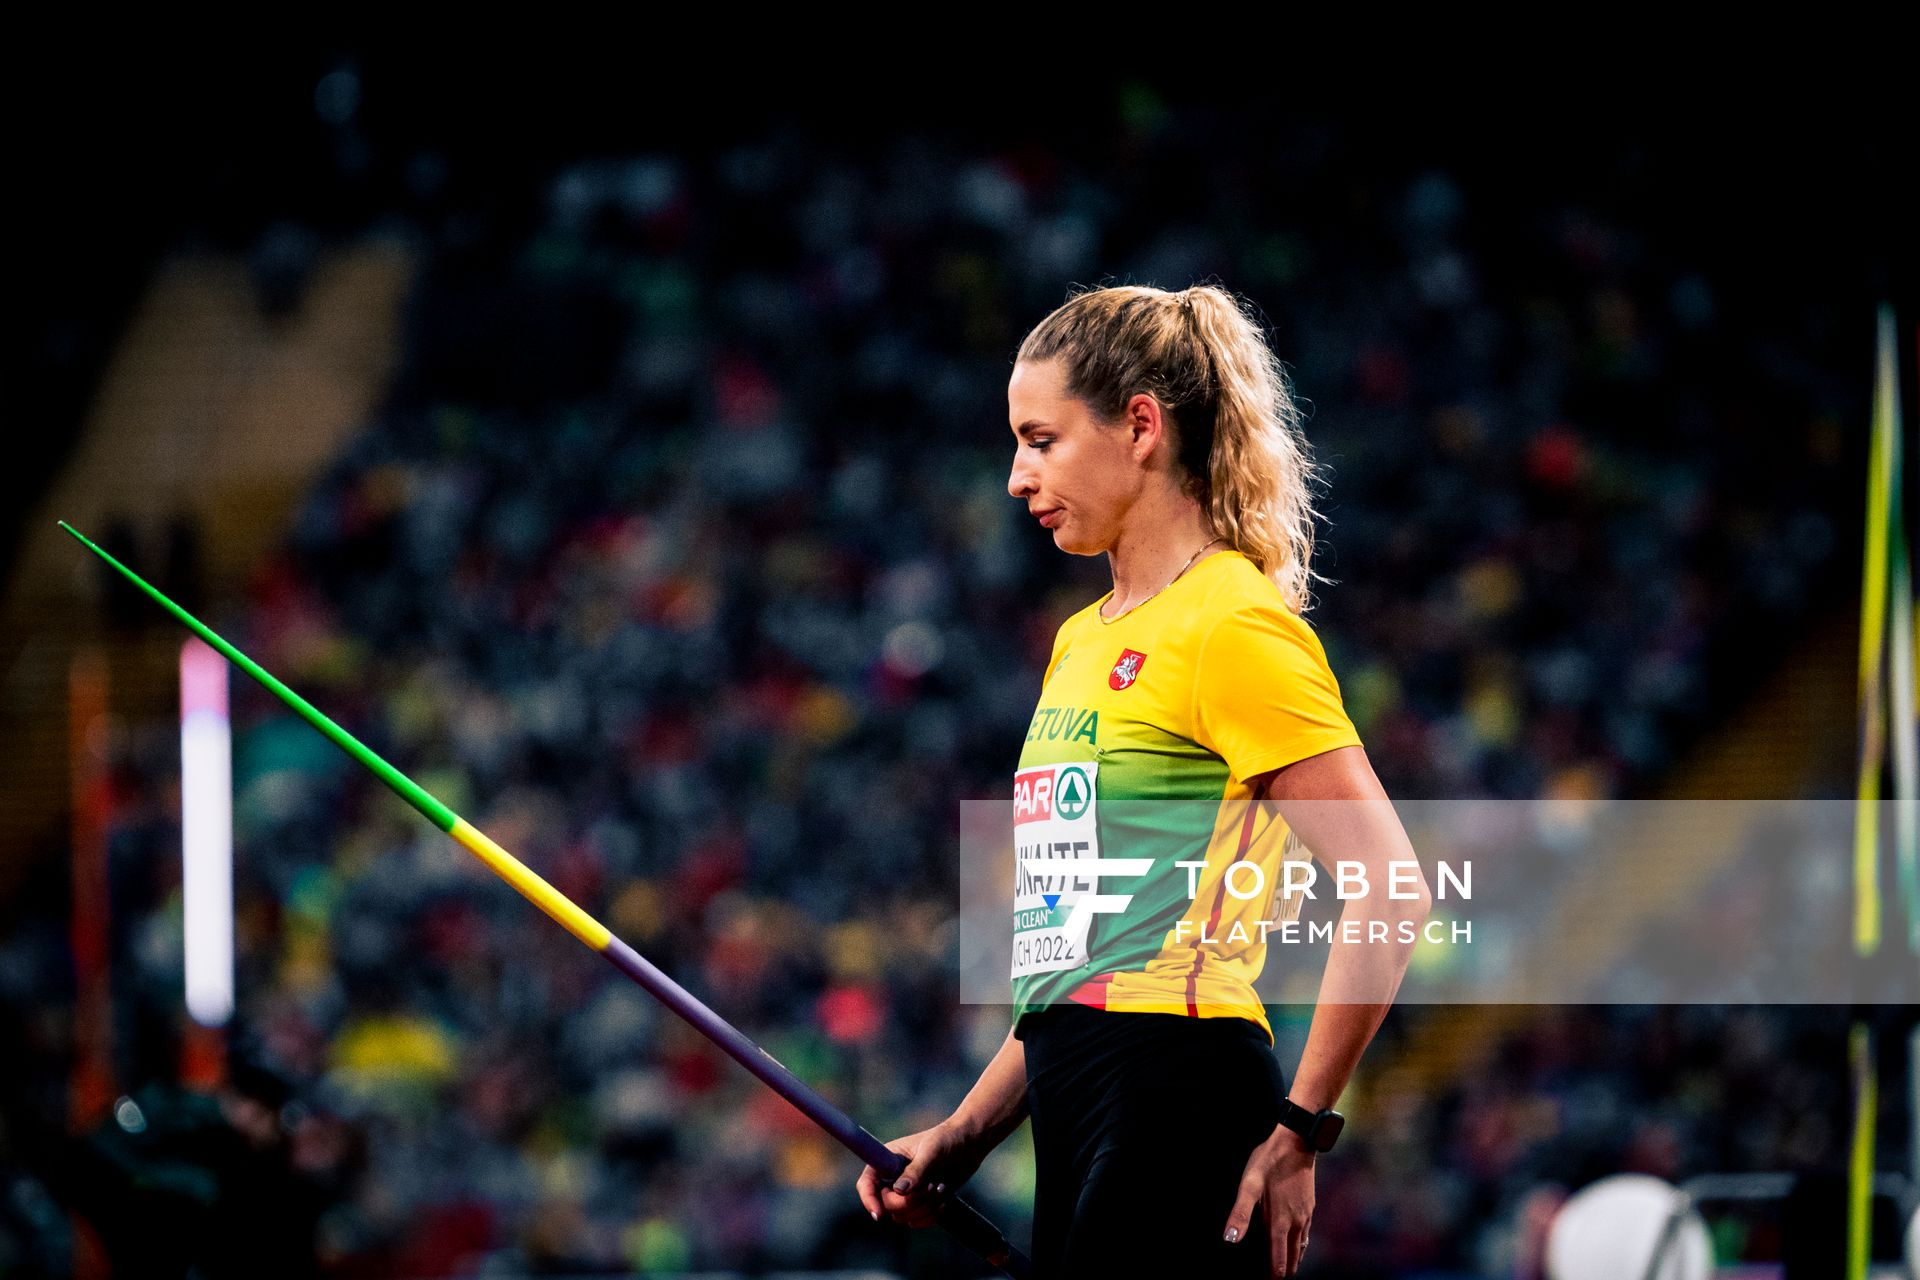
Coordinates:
(1279,1176)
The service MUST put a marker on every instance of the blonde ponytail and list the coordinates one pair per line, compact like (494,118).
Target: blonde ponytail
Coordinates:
(1238,431)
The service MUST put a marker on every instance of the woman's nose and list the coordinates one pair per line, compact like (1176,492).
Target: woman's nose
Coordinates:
(1020,482)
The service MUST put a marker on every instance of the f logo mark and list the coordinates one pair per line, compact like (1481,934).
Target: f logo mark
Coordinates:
(1088,905)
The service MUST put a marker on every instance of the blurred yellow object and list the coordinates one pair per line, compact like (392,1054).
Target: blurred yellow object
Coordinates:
(638,911)
(1494,713)
(805,1161)
(398,1049)
(1489,588)
(822,715)
(854,949)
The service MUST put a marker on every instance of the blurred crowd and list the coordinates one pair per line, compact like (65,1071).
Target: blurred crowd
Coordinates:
(679,560)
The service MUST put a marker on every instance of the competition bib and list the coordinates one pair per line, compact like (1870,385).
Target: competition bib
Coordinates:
(1058,870)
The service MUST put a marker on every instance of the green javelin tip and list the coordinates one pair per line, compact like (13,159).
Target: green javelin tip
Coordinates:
(407,789)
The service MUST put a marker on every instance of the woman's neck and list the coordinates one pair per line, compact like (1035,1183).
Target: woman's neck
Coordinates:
(1152,549)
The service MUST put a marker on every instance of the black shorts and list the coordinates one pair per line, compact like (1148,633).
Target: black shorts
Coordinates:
(1142,1125)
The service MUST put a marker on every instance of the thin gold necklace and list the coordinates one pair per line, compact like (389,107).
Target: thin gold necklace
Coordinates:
(1170,581)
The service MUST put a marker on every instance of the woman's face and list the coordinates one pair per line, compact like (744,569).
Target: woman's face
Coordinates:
(1077,474)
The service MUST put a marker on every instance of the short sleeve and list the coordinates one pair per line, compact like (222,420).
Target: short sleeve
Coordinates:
(1060,646)
(1263,695)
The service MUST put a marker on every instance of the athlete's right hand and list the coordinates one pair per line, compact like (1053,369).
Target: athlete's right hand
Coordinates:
(938,1161)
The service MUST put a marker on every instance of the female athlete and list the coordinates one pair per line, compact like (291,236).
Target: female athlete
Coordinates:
(1158,428)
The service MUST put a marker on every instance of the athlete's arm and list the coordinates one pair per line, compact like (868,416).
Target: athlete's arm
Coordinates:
(1338,808)
(1336,805)
(997,1103)
(945,1156)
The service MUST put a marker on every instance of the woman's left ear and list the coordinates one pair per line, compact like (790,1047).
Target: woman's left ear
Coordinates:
(1145,414)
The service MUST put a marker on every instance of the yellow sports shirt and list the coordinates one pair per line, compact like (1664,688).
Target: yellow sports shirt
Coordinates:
(1139,755)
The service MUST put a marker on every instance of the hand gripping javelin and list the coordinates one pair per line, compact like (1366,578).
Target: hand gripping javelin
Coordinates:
(962,1220)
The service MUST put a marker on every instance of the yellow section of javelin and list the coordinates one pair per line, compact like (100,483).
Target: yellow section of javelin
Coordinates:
(531,886)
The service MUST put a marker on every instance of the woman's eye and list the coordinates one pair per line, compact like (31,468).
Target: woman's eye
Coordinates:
(1041,445)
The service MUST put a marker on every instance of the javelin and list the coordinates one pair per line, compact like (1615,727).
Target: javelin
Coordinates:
(956,1215)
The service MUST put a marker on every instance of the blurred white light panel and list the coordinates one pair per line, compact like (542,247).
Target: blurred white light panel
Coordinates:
(206,813)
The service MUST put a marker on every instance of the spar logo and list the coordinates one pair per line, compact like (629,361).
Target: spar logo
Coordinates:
(1038,796)
(1126,670)
(1072,792)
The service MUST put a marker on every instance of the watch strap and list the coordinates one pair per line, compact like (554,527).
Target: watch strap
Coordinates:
(1312,1126)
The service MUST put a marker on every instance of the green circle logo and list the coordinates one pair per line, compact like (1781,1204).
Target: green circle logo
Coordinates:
(1072,792)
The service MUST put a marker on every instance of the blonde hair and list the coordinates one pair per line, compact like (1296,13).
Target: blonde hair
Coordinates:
(1237,430)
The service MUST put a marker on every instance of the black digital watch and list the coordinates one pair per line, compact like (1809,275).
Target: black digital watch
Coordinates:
(1318,1129)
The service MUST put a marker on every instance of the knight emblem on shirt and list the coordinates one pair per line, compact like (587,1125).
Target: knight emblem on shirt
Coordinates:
(1126,670)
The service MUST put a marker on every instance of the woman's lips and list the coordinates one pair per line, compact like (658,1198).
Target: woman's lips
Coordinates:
(1050,518)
